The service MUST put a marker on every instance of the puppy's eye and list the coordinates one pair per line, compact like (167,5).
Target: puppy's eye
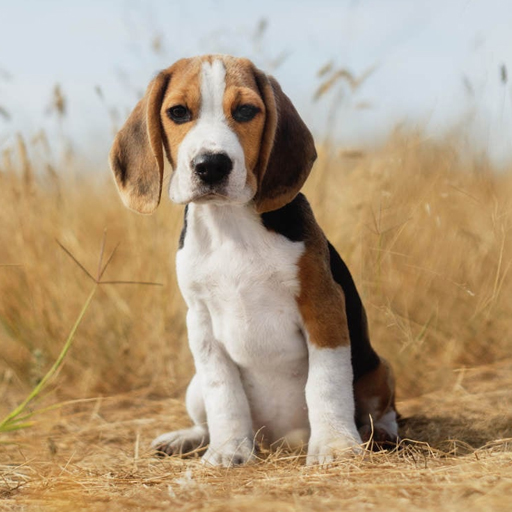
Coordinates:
(179,114)
(245,113)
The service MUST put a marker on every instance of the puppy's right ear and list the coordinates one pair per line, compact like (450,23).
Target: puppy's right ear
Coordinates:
(136,157)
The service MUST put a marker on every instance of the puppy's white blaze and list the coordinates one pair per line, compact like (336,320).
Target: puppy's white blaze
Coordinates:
(210,133)
(213,85)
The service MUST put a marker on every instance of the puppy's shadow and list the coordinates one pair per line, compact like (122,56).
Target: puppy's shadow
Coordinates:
(455,435)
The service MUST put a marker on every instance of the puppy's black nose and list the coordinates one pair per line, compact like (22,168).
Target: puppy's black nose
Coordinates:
(212,168)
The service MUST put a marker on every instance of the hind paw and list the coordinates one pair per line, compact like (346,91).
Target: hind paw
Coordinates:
(181,442)
(381,434)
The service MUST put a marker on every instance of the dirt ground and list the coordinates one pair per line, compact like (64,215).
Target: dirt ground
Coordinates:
(94,455)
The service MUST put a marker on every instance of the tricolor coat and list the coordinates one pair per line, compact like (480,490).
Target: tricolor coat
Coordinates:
(276,327)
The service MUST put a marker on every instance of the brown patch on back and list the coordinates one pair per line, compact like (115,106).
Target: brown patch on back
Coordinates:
(321,304)
(321,300)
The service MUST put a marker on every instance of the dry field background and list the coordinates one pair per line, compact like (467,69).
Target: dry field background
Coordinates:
(424,226)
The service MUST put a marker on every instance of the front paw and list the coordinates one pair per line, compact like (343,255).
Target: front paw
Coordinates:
(327,449)
(230,453)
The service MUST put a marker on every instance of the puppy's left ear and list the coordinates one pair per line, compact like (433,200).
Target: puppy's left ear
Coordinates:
(136,157)
(287,148)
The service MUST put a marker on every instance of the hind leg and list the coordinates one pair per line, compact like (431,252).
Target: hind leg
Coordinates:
(189,439)
(376,415)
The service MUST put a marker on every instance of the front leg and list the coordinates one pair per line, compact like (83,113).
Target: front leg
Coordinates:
(330,401)
(227,409)
(329,389)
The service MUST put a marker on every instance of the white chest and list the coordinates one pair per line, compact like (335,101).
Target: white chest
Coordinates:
(246,278)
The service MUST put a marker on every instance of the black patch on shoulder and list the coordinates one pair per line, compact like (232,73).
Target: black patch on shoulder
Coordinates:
(183,229)
(364,358)
(289,220)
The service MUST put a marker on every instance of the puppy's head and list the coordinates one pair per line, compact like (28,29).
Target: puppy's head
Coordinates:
(230,134)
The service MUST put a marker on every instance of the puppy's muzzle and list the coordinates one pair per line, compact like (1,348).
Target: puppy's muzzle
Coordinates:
(212,168)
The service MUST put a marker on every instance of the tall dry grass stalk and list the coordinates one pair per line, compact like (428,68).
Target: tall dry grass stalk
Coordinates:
(424,228)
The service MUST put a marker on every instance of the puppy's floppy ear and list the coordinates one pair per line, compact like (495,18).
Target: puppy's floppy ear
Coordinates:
(136,157)
(287,148)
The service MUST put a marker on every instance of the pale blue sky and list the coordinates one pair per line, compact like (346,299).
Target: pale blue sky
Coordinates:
(423,52)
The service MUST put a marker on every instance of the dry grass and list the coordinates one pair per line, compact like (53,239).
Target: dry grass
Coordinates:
(426,232)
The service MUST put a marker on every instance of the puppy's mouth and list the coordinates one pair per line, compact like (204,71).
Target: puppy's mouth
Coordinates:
(209,196)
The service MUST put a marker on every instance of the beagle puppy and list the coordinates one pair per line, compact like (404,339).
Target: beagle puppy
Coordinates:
(275,324)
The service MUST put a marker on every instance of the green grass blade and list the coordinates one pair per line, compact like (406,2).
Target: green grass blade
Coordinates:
(10,421)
